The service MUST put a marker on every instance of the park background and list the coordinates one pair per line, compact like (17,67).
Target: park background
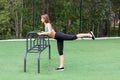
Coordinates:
(85,59)
(18,17)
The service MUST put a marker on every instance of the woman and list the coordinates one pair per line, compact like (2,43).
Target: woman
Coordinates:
(60,37)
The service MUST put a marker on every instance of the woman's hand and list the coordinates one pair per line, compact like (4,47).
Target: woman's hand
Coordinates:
(39,33)
(42,31)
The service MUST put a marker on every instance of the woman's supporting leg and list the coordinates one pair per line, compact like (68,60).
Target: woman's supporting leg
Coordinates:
(61,61)
(60,45)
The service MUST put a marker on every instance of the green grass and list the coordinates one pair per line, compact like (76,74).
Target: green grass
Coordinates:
(84,60)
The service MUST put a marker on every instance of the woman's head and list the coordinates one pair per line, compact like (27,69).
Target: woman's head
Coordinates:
(45,18)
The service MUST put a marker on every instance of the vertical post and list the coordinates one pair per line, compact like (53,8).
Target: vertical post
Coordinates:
(39,51)
(81,2)
(49,49)
(34,14)
(30,40)
(25,61)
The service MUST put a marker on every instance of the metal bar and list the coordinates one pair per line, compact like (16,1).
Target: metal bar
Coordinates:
(39,51)
(49,52)
(30,40)
(37,41)
(40,43)
(25,61)
(49,49)
(43,41)
(26,43)
(39,62)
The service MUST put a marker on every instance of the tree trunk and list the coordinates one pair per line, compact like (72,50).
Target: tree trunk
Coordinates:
(21,22)
(15,14)
(20,34)
(16,24)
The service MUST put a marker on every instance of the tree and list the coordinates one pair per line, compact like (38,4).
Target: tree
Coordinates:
(116,11)
(16,7)
(95,14)
(16,18)
(4,19)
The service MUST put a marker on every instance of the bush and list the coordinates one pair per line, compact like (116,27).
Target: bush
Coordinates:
(113,32)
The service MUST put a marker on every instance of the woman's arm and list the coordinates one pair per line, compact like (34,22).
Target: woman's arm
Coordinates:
(43,33)
(49,27)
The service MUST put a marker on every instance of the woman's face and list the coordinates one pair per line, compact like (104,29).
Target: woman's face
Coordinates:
(42,20)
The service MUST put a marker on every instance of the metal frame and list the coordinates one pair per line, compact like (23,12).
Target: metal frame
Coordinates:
(36,44)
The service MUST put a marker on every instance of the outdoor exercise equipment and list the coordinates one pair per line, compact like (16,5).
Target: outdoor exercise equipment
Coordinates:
(36,44)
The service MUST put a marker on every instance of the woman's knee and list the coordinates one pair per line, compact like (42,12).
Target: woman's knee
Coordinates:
(60,54)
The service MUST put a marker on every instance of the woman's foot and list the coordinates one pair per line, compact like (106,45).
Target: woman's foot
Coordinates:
(60,69)
(93,36)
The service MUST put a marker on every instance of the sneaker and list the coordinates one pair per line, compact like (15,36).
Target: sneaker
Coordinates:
(60,69)
(93,36)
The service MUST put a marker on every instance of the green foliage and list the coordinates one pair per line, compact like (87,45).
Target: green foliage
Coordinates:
(16,16)
(4,19)
(114,32)
(116,11)
(96,14)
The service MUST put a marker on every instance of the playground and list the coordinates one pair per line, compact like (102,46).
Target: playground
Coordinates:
(84,60)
